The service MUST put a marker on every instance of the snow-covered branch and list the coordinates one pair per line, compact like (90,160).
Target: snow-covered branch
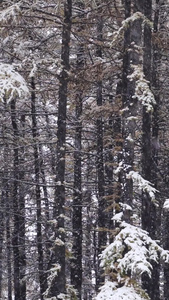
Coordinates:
(166,204)
(10,14)
(118,35)
(142,89)
(12,84)
(142,184)
(132,251)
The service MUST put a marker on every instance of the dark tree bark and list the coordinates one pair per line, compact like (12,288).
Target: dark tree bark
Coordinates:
(149,214)
(146,123)
(7,213)
(162,90)
(42,274)
(22,249)
(76,267)
(87,256)
(127,92)
(8,246)
(102,233)
(18,239)
(132,39)
(76,264)
(58,284)
(165,240)
(15,196)
(2,226)
(117,152)
(109,161)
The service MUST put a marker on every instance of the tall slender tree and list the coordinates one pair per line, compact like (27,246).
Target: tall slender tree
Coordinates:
(131,60)
(102,234)
(58,284)
(76,265)
(42,273)
(161,84)
(15,195)
(149,216)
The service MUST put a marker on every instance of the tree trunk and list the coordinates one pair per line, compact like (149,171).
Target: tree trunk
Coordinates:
(21,199)
(58,284)
(8,238)
(149,215)
(127,92)
(87,262)
(146,123)
(132,39)
(162,59)
(76,265)
(8,214)
(8,248)
(2,225)
(42,275)
(102,233)
(15,238)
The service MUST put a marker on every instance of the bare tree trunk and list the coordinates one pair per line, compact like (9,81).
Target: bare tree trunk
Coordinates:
(146,124)
(58,284)
(127,92)
(102,233)
(15,191)
(22,249)
(162,60)
(132,39)
(42,275)
(76,265)
(87,256)
(8,214)
(2,225)
(149,214)
(8,248)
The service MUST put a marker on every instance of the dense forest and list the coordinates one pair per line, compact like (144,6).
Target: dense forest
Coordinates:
(84,150)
